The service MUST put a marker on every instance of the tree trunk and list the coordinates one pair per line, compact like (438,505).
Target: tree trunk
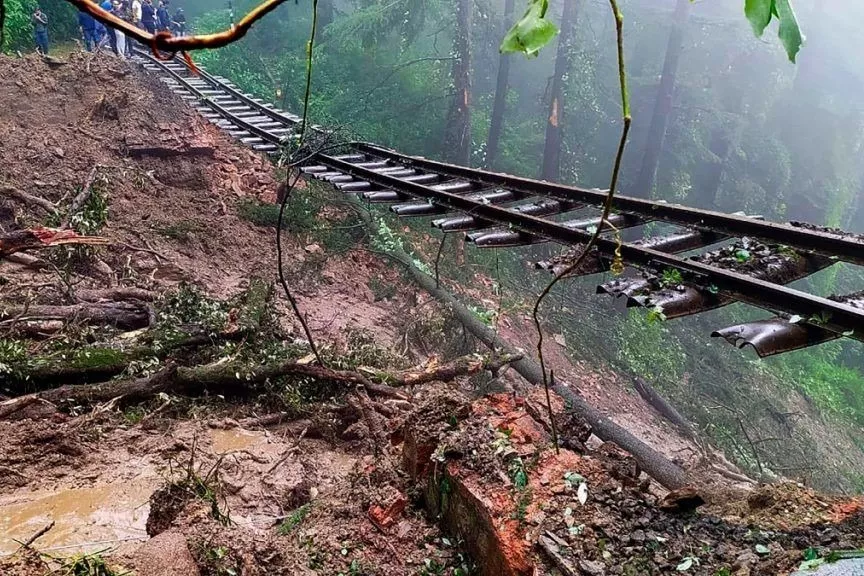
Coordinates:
(325,13)
(707,185)
(457,135)
(663,104)
(123,315)
(499,106)
(551,168)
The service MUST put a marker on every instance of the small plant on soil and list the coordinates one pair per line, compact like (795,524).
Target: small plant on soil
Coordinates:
(204,487)
(294,519)
(217,560)
(88,565)
(13,356)
(180,231)
(671,277)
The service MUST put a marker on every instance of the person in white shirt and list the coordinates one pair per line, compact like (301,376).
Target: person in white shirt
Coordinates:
(136,12)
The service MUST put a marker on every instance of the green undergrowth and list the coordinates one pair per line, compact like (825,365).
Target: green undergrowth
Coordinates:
(315,213)
(294,519)
(89,565)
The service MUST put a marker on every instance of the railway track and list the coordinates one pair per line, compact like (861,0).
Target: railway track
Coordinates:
(752,260)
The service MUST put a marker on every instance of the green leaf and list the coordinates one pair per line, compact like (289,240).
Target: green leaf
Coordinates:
(531,32)
(811,553)
(762,549)
(789,32)
(742,255)
(760,13)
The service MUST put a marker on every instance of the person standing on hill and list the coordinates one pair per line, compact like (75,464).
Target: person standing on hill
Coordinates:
(148,16)
(40,31)
(119,10)
(88,30)
(136,13)
(180,22)
(163,17)
(109,30)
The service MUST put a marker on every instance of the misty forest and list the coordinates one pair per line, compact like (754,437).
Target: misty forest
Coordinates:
(492,287)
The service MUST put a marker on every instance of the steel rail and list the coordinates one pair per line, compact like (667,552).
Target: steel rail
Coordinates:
(838,246)
(838,317)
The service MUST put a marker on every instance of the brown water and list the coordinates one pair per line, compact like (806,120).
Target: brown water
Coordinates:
(84,517)
(234,439)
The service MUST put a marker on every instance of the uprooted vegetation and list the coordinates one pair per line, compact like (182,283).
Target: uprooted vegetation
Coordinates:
(155,377)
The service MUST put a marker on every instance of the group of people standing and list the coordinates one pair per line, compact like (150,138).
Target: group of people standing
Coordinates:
(140,13)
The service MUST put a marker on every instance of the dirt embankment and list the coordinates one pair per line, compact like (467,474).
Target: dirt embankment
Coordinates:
(295,475)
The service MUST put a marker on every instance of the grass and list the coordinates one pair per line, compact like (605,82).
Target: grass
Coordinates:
(89,565)
(294,519)
(180,231)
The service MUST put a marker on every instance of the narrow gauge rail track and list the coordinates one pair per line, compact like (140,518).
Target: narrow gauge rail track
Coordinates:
(756,263)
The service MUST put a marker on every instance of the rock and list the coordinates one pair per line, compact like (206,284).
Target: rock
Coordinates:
(592,567)
(313,249)
(745,559)
(167,555)
(386,516)
(686,499)
(638,536)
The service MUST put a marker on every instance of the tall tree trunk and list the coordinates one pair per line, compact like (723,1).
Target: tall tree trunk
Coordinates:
(325,13)
(552,149)
(500,104)
(663,104)
(457,135)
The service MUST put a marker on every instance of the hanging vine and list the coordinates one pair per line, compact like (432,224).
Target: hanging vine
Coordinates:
(607,208)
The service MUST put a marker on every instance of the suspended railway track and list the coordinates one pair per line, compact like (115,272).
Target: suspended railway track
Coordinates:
(753,261)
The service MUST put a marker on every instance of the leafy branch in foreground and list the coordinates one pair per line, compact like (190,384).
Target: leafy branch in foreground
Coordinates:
(761,12)
(607,207)
(533,31)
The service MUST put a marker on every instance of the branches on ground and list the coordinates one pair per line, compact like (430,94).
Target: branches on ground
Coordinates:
(432,371)
(38,238)
(239,378)
(26,198)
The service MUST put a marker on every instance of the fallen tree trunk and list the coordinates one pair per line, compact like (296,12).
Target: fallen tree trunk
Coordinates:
(98,363)
(652,462)
(228,378)
(119,293)
(662,406)
(123,315)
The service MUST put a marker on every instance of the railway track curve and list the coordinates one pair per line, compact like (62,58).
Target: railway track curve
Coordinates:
(703,260)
